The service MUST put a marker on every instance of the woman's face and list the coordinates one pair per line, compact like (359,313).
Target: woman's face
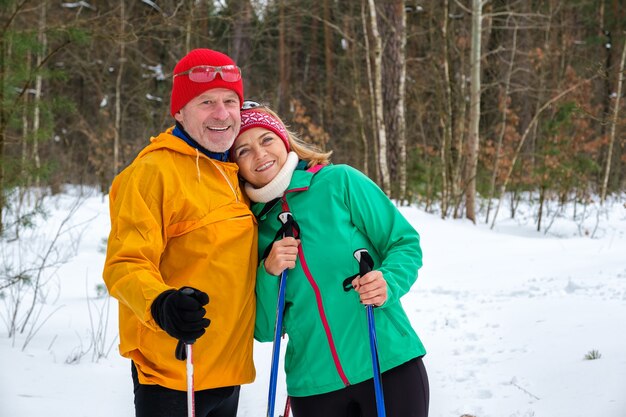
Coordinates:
(260,154)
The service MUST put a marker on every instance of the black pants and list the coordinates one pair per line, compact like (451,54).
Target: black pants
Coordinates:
(158,401)
(405,389)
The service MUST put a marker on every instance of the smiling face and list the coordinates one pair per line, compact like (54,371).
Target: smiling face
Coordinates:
(260,154)
(212,119)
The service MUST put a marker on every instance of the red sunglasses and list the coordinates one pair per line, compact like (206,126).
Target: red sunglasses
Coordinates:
(207,73)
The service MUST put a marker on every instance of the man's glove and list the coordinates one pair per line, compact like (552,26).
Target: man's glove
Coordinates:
(181,314)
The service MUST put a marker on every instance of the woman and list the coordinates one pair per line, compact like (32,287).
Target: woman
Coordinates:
(337,211)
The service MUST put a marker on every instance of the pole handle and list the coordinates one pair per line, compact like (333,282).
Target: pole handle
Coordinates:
(286,218)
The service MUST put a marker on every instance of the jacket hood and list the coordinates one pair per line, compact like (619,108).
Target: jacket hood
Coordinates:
(167,140)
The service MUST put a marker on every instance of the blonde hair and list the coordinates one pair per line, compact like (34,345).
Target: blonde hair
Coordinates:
(308,152)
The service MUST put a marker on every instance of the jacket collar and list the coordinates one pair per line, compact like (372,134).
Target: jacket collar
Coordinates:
(181,133)
(167,140)
(300,181)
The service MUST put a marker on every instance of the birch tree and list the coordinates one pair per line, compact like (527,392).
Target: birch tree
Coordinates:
(378,99)
(445,118)
(474,116)
(43,42)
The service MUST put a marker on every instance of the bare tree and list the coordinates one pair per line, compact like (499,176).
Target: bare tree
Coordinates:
(283,58)
(118,90)
(394,86)
(620,82)
(445,118)
(370,89)
(43,41)
(474,117)
(378,99)
(358,101)
(328,62)
(520,145)
(241,30)
(26,277)
(503,122)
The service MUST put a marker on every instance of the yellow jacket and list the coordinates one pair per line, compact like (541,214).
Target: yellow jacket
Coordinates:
(178,218)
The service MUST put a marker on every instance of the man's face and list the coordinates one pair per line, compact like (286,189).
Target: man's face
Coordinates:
(212,119)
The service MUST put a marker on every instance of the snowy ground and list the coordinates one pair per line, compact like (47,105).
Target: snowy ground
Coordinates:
(507,316)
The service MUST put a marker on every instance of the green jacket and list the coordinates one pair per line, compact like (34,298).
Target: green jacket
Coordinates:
(338,210)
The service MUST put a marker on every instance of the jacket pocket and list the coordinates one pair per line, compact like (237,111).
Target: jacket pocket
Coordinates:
(395,323)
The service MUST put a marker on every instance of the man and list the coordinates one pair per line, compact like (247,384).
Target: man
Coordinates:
(182,250)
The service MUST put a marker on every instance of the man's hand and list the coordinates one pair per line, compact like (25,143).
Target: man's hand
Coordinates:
(181,313)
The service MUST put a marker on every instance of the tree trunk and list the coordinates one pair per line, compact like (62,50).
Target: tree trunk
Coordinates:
(474,121)
(4,118)
(25,174)
(370,86)
(25,130)
(606,101)
(456,155)
(328,64)
(542,199)
(446,117)
(358,103)
(505,99)
(189,25)
(609,156)
(378,100)
(242,47)
(401,109)
(283,83)
(118,92)
(43,41)
(394,83)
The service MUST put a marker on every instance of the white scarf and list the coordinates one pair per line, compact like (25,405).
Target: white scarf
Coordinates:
(277,186)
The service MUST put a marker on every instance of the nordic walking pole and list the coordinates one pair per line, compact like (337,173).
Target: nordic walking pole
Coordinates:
(284,217)
(366,263)
(191,403)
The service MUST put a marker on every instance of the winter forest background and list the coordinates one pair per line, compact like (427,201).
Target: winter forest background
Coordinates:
(450,104)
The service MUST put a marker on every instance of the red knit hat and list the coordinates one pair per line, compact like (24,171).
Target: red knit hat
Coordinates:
(183,89)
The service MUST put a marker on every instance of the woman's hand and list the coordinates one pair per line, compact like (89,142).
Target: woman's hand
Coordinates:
(372,288)
(282,256)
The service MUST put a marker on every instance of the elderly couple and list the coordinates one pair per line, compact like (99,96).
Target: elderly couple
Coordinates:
(196,248)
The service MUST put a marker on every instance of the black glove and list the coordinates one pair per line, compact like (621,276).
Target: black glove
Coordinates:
(181,314)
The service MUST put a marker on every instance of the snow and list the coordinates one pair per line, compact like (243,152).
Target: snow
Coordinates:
(507,316)
(78,4)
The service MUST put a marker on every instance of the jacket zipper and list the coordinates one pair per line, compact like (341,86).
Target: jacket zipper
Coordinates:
(226,179)
(320,308)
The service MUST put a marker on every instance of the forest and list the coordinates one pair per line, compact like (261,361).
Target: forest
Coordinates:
(453,105)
